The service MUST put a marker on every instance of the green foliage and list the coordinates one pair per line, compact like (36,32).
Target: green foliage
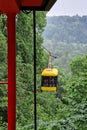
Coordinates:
(66,29)
(79,66)
(65,109)
(3,74)
(3,48)
(65,52)
(76,93)
(25,74)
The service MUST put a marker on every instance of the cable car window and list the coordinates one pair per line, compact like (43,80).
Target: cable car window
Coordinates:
(49,81)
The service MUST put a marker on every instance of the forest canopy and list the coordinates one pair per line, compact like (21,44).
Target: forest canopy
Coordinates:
(66,29)
(65,109)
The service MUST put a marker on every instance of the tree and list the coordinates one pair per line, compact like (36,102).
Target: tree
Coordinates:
(66,29)
(76,94)
(3,77)
(25,73)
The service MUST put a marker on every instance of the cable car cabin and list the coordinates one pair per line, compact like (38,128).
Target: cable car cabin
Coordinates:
(49,79)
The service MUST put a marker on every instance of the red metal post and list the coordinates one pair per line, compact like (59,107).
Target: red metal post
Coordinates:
(11,71)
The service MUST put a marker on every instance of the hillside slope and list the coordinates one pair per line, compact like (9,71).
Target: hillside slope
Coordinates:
(66,29)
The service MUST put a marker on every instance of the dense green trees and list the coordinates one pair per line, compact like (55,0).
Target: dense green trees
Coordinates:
(65,109)
(72,107)
(65,52)
(66,29)
(25,74)
(24,63)
(3,72)
(76,93)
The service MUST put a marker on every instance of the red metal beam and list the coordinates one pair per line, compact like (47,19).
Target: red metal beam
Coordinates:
(14,6)
(30,3)
(9,6)
(11,72)
(3,82)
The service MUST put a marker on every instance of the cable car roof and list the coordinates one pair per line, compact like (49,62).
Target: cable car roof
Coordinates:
(14,6)
(50,72)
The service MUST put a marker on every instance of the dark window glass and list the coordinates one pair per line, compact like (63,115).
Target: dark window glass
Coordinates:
(49,81)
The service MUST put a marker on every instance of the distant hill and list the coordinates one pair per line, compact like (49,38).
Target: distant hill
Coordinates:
(66,29)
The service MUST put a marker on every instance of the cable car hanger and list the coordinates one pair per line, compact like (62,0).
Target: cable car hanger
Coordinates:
(49,76)
(50,57)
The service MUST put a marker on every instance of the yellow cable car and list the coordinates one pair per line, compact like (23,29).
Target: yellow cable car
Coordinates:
(49,79)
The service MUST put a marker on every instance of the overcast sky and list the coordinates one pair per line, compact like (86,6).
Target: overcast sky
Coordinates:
(69,7)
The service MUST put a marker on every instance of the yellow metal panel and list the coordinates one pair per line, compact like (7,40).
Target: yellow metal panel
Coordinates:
(50,72)
(43,88)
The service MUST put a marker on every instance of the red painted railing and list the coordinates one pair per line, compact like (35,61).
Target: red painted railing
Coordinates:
(3,82)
